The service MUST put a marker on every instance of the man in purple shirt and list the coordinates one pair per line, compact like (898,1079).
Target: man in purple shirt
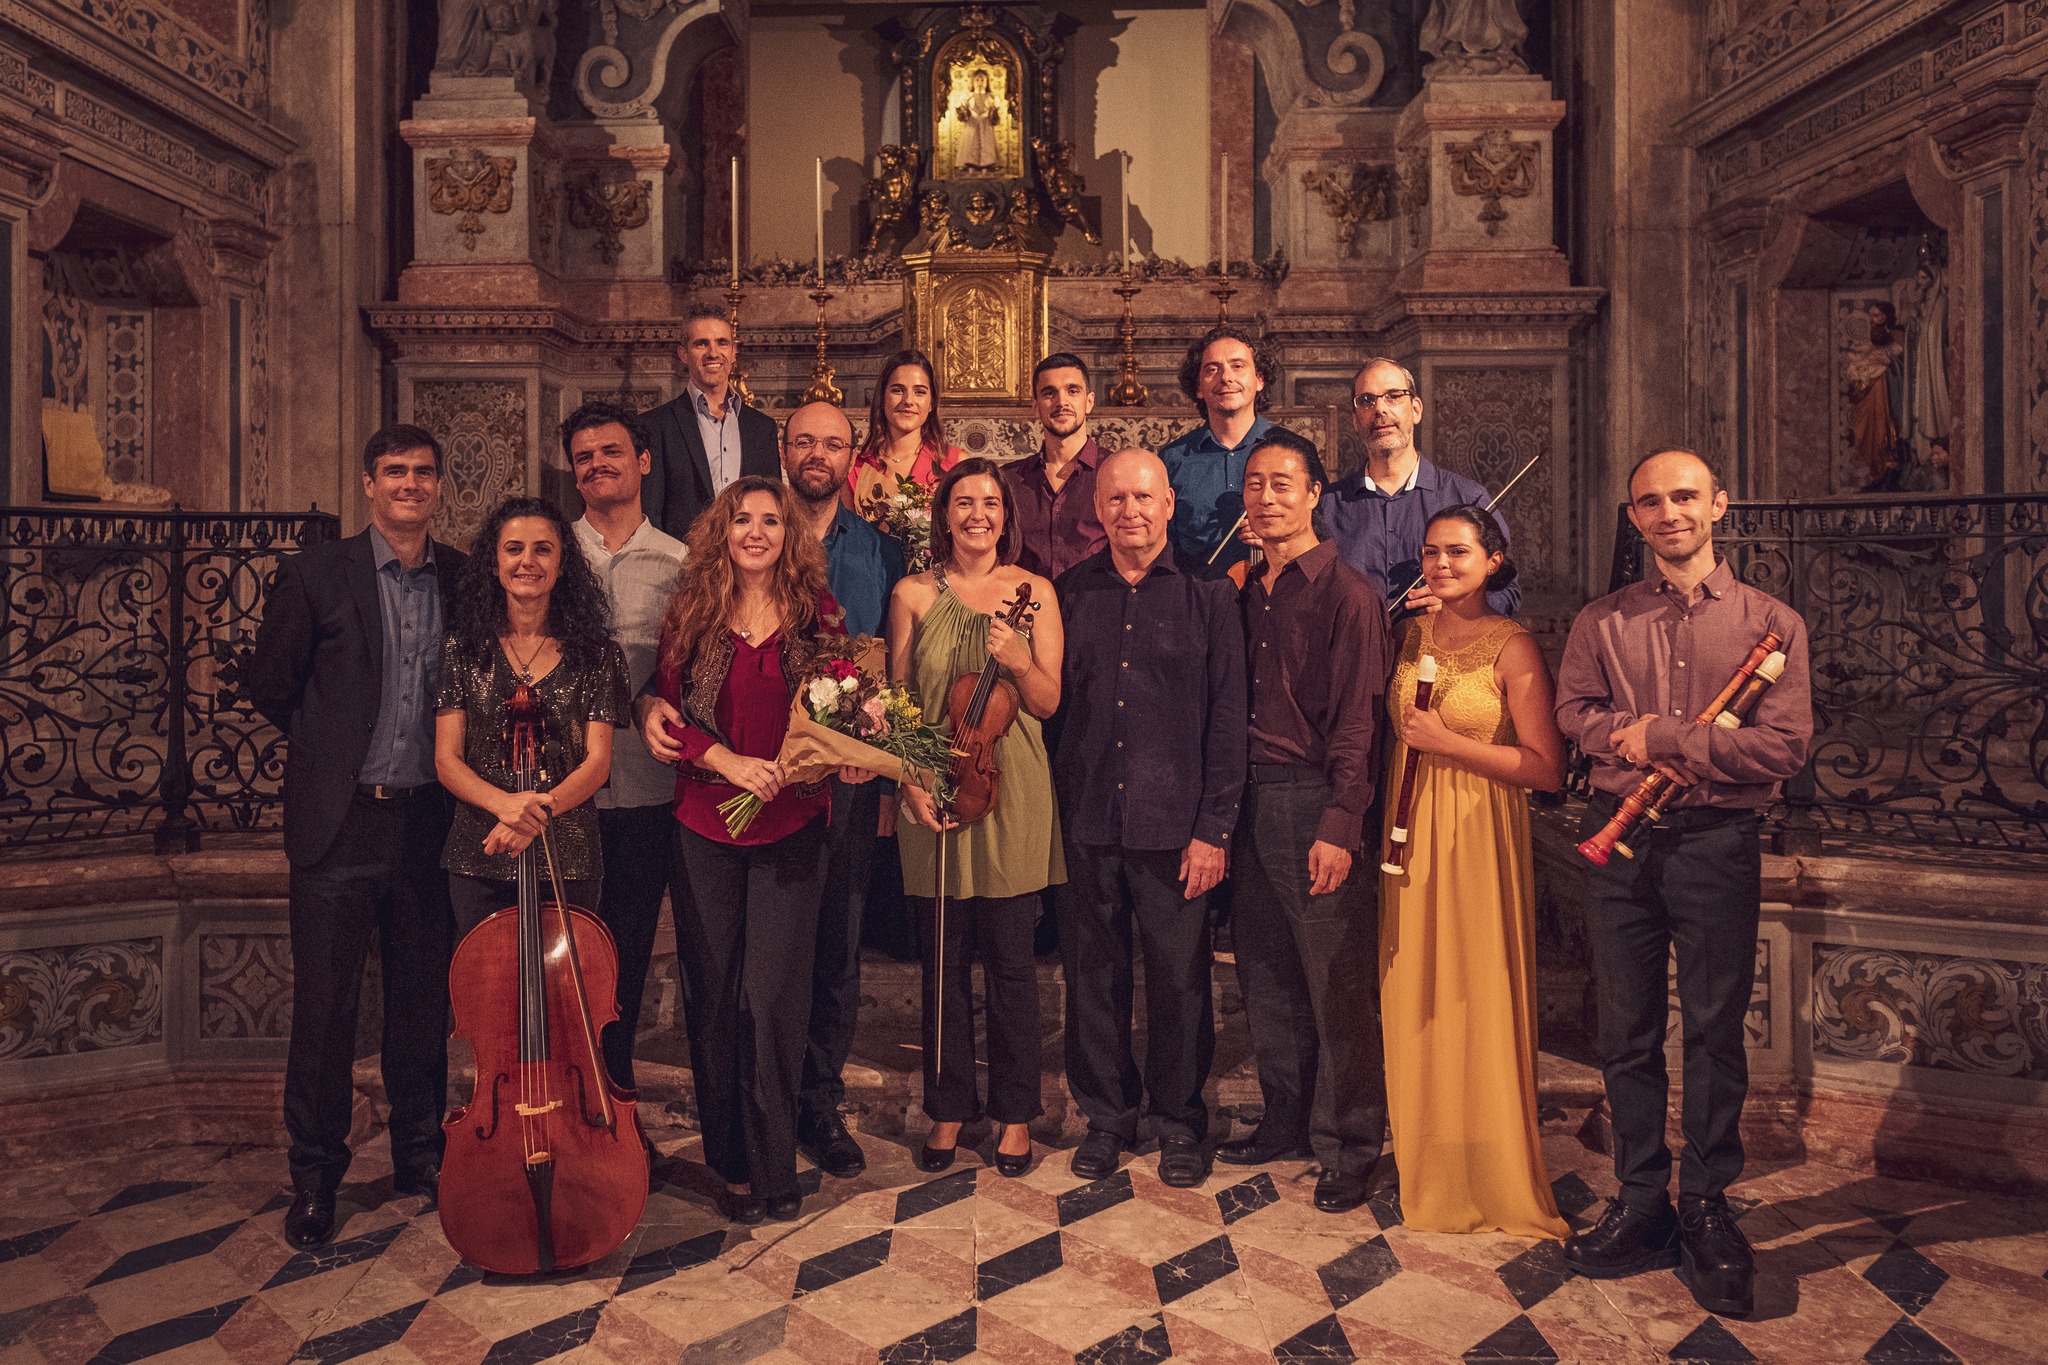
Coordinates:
(1149,772)
(1639,665)
(1378,516)
(1318,655)
(1054,490)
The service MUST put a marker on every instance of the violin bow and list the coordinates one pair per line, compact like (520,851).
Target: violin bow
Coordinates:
(1492,501)
(939,930)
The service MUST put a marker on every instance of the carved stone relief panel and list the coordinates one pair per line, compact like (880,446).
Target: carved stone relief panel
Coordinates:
(1978,1015)
(608,209)
(482,426)
(196,41)
(2036,237)
(66,335)
(85,997)
(469,183)
(245,985)
(1486,424)
(1494,166)
(125,390)
(1354,196)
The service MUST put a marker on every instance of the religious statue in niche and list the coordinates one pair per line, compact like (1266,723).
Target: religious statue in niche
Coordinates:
(1874,370)
(976,94)
(1895,376)
(1474,38)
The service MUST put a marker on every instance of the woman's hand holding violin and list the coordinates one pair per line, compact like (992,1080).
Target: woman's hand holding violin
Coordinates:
(1009,646)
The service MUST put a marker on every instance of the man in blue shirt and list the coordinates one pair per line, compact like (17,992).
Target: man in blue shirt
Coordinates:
(1378,516)
(863,566)
(1224,372)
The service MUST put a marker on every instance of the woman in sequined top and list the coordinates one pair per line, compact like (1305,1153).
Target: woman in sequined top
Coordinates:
(527,609)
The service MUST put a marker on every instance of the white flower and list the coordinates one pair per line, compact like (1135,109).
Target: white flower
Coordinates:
(848,684)
(821,693)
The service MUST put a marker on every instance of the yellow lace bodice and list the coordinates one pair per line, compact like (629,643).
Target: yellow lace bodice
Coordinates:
(1466,694)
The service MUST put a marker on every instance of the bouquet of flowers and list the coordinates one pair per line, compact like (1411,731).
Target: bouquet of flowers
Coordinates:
(844,715)
(905,515)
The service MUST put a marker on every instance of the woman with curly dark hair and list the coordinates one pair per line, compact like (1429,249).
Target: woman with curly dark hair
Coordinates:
(527,610)
(740,637)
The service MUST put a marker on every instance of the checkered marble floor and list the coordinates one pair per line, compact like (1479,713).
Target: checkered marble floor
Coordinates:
(178,1255)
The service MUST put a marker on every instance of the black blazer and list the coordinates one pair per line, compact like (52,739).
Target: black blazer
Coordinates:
(678,486)
(317,673)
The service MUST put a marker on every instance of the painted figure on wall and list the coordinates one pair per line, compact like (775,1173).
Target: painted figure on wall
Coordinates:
(978,113)
(1875,371)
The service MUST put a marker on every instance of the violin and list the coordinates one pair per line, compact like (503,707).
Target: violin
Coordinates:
(983,706)
(545,1168)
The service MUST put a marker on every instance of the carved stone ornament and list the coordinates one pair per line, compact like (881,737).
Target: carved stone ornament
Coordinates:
(1363,194)
(610,208)
(1063,184)
(468,182)
(891,195)
(643,10)
(976,327)
(1474,38)
(1412,192)
(1492,167)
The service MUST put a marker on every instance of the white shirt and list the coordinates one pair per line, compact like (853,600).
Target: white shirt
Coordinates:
(721,436)
(639,580)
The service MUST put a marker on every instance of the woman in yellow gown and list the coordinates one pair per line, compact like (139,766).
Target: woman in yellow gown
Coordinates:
(1457,924)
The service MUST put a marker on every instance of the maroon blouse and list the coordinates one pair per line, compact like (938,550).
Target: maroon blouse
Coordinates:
(753,710)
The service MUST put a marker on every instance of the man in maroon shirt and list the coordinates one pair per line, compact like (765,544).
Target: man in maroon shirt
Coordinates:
(1054,490)
(1317,659)
(1639,665)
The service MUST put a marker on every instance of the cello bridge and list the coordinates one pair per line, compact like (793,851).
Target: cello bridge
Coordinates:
(534,1111)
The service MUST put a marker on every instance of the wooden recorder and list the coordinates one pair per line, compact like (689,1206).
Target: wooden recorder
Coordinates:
(1396,860)
(1644,806)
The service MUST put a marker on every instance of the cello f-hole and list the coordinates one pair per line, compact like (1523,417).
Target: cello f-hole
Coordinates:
(590,1120)
(481,1132)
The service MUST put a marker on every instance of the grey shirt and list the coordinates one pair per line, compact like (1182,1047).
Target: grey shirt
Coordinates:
(401,750)
(639,580)
(721,436)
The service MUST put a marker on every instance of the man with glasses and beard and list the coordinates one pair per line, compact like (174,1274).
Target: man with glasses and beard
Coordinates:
(1054,490)
(1377,517)
(863,566)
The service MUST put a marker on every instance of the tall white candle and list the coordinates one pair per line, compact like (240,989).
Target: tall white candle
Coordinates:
(1124,184)
(1223,220)
(735,222)
(821,222)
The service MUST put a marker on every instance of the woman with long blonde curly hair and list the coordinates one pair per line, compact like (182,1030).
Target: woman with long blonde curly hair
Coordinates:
(739,636)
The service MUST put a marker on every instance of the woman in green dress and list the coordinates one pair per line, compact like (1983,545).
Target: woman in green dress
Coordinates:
(942,624)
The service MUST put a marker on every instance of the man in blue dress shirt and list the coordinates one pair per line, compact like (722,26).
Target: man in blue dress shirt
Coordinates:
(1377,517)
(1225,372)
(863,566)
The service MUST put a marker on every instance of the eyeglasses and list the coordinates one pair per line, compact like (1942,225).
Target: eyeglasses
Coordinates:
(833,446)
(1373,400)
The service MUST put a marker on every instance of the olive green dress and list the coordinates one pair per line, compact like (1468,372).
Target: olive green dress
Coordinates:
(1015,849)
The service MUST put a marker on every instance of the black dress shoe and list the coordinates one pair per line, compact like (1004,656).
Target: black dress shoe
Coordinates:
(783,1207)
(744,1209)
(1258,1149)
(1337,1192)
(1096,1156)
(1012,1166)
(824,1140)
(930,1158)
(309,1222)
(1181,1164)
(1715,1260)
(1624,1242)
(424,1180)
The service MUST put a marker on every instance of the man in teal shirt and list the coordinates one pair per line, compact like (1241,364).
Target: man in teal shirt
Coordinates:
(1225,373)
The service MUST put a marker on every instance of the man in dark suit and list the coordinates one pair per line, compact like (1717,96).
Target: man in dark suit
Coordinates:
(347,663)
(704,437)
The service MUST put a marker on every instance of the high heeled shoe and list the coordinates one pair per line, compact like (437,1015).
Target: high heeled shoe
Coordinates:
(1009,1165)
(930,1158)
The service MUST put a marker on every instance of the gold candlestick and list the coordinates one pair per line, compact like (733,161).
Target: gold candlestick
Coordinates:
(732,319)
(822,389)
(1222,294)
(1127,392)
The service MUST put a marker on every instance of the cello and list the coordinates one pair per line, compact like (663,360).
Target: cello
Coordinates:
(545,1168)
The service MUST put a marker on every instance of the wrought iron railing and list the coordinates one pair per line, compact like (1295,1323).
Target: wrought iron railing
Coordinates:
(121,638)
(1927,622)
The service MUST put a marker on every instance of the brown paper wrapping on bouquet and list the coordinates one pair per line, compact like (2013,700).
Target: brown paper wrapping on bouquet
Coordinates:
(811,752)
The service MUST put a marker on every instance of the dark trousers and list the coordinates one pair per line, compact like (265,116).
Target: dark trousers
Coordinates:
(835,970)
(1695,884)
(746,924)
(1112,896)
(639,849)
(383,874)
(476,899)
(1309,970)
(998,929)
